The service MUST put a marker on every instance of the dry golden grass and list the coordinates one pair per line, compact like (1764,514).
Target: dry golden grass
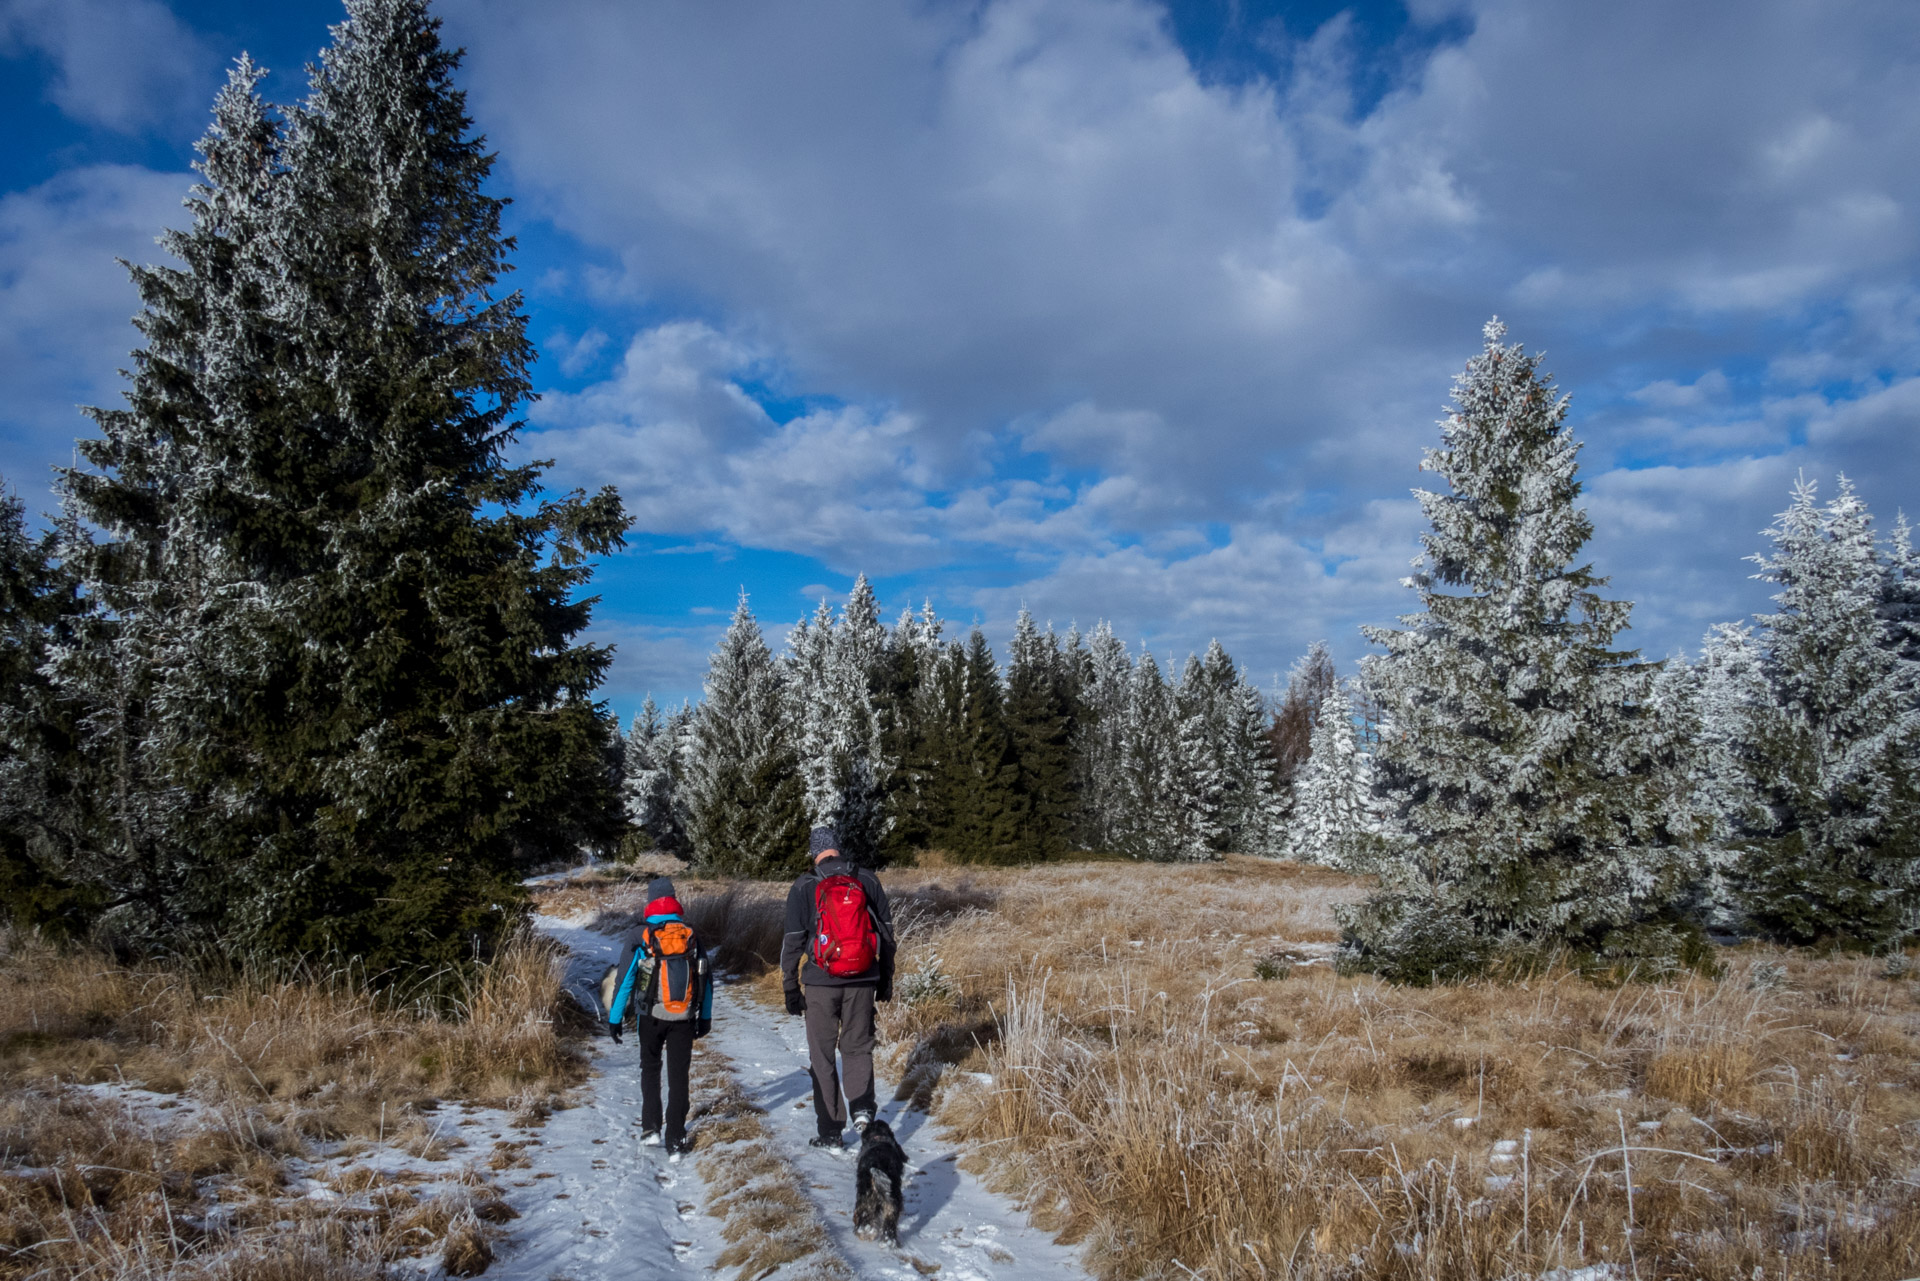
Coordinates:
(1156,1100)
(262,1069)
(768,1222)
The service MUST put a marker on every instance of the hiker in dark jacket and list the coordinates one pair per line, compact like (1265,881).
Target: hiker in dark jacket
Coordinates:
(662,1030)
(838,1007)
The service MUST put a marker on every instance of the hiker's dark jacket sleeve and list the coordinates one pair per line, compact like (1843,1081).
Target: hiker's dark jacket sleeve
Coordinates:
(883,926)
(632,961)
(799,924)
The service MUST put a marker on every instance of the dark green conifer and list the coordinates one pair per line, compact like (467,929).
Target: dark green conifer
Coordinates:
(981,815)
(36,738)
(1041,723)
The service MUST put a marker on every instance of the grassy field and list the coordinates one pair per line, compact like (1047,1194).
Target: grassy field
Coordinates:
(157,1123)
(1160,1063)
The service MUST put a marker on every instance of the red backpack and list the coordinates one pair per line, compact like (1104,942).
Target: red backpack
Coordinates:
(844,942)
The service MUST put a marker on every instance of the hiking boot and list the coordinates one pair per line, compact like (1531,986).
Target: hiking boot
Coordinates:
(861,1120)
(649,1138)
(831,1142)
(677,1149)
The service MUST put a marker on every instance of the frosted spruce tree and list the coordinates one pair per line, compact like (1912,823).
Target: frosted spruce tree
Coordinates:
(1099,751)
(1235,784)
(1727,693)
(1333,820)
(1526,800)
(1154,817)
(332,673)
(746,800)
(1202,769)
(1828,839)
(161,670)
(835,668)
(1256,815)
(648,787)
(1900,593)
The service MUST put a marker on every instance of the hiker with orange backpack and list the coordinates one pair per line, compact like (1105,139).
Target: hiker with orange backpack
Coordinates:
(662,975)
(839,941)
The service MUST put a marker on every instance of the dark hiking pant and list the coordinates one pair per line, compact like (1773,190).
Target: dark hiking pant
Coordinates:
(676,1039)
(840,1018)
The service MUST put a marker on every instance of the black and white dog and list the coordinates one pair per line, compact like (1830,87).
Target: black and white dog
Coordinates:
(876,1184)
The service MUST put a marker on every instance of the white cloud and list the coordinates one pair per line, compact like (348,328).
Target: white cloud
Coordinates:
(65,303)
(1153,347)
(127,65)
(1063,300)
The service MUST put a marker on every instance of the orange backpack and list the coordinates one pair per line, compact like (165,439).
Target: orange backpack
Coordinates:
(674,981)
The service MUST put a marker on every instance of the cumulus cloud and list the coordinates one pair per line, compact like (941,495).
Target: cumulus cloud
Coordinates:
(126,65)
(65,302)
(1007,297)
(1174,344)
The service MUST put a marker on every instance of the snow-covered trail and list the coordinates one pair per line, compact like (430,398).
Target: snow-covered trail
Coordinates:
(950,1218)
(593,1202)
(596,1204)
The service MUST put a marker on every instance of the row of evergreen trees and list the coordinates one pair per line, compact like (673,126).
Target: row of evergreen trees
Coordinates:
(295,672)
(1517,780)
(905,740)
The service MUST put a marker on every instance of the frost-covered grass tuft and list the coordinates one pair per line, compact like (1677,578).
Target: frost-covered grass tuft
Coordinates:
(926,985)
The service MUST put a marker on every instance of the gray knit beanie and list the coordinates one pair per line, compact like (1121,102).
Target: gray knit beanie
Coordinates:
(660,887)
(822,840)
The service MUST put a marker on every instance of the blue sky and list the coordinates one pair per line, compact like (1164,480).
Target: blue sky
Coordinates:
(1108,308)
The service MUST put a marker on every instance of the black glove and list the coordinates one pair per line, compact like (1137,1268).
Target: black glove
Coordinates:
(796,1003)
(613,1030)
(701,1027)
(884,992)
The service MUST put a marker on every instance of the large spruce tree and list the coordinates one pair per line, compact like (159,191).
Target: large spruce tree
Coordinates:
(161,669)
(1522,767)
(335,638)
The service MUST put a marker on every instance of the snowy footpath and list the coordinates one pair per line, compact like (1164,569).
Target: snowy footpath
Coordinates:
(595,1204)
(950,1219)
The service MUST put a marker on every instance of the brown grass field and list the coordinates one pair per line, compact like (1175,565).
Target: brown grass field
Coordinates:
(1159,1063)
(270,1071)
